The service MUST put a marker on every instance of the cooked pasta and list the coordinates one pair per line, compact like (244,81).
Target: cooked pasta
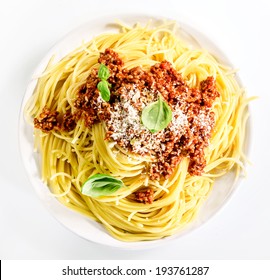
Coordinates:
(154,201)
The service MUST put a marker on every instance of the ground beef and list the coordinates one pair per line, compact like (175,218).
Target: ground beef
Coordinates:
(68,122)
(145,196)
(47,120)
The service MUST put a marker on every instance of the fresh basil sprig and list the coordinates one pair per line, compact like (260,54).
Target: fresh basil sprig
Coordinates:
(103,85)
(157,115)
(100,185)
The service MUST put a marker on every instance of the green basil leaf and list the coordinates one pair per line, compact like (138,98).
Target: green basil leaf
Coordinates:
(104,90)
(101,185)
(97,192)
(157,115)
(103,72)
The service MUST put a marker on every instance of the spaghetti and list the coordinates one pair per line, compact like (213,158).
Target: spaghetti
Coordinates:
(78,141)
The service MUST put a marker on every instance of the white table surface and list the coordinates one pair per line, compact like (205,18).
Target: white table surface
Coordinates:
(29,28)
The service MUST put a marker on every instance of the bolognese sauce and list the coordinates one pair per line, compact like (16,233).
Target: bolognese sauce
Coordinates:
(187,135)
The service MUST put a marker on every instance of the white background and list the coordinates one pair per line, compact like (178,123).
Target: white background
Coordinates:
(29,28)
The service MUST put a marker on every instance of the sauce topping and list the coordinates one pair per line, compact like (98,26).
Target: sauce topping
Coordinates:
(131,90)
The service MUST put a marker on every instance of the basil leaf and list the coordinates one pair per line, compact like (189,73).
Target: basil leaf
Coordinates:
(103,88)
(103,72)
(157,115)
(101,185)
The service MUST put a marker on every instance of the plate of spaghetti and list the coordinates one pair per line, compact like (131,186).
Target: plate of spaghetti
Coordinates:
(134,131)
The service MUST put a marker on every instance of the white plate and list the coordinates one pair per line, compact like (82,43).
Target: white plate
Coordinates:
(75,222)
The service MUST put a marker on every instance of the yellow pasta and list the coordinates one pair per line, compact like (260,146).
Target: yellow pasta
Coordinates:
(69,158)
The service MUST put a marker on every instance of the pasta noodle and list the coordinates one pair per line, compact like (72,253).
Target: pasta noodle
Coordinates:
(69,158)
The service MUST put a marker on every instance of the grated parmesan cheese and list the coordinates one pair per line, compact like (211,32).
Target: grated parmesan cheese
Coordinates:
(125,122)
